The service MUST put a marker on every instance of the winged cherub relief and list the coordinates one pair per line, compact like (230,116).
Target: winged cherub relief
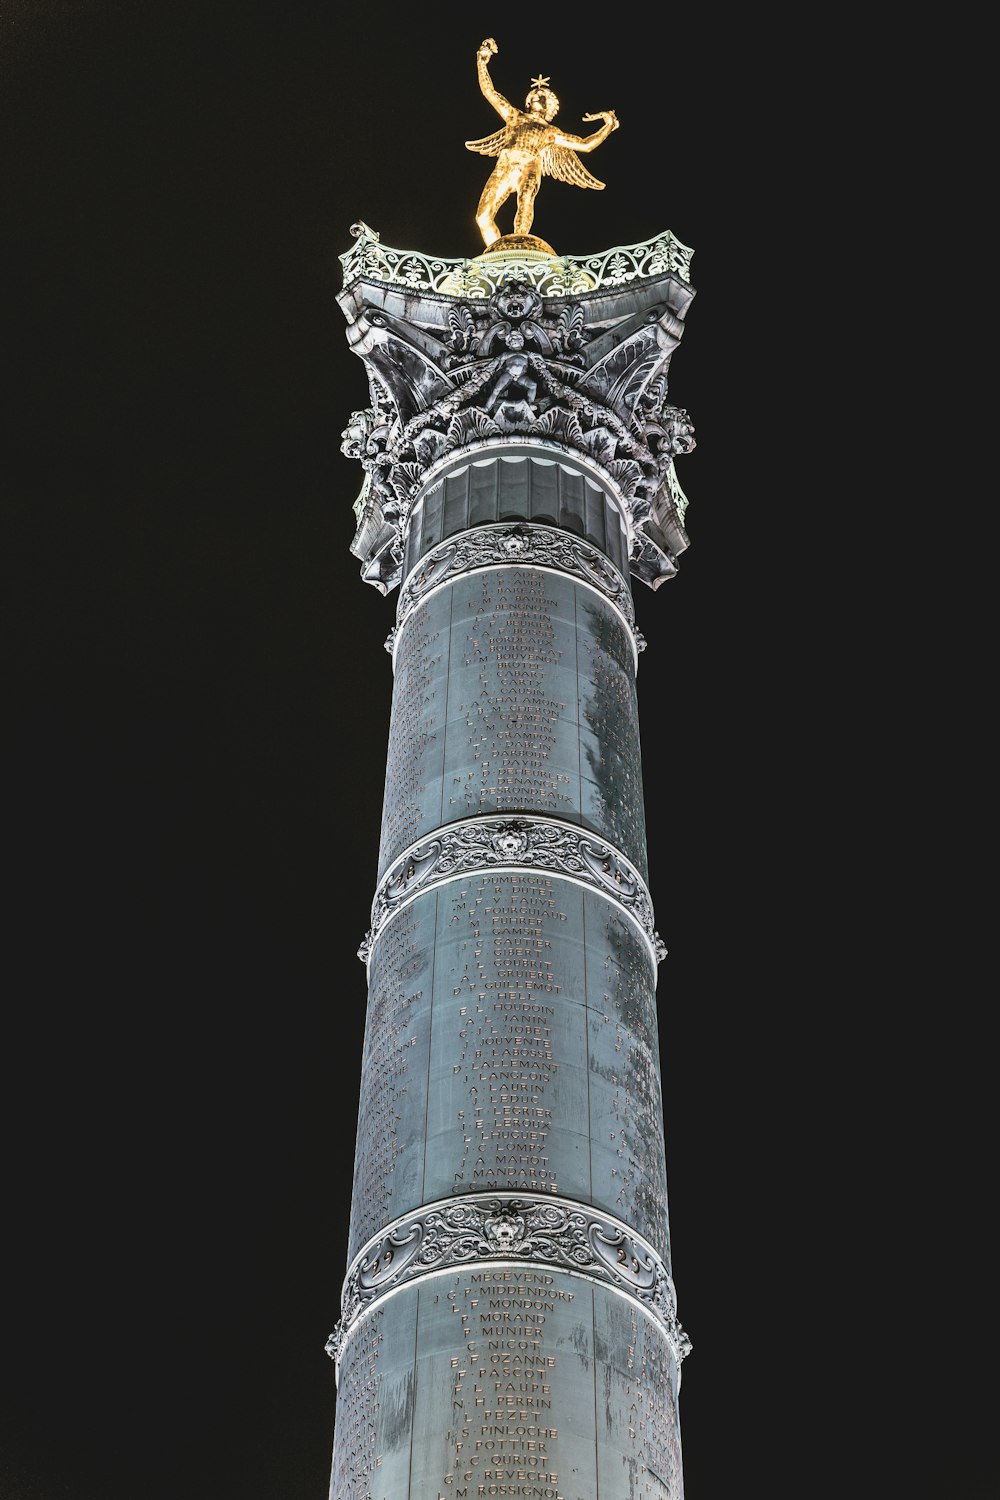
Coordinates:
(527,148)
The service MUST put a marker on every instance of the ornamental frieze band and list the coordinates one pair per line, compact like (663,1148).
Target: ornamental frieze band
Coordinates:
(498,546)
(516,1229)
(557,276)
(497,844)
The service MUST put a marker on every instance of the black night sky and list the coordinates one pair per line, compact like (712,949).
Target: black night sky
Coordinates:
(197,706)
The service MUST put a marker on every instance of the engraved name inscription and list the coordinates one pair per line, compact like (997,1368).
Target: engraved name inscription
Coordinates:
(514,691)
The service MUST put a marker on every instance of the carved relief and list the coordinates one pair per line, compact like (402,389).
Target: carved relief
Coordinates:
(554,276)
(546,547)
(515,305)
(377,541)
(491,843)
(557,1234)
(513,363)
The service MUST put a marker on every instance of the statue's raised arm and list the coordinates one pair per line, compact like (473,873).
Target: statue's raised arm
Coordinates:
(527,147)
(502,106)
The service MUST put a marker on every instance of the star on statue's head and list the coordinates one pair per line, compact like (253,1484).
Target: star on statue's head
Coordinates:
(539,83)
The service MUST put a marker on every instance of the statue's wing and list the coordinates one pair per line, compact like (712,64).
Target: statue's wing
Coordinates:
(562,163)
(489,145)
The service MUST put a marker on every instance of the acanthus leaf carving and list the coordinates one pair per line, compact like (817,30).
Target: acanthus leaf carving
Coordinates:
(507,362)
(627,474)
(600,444)
(571,335)
(406,478)
(462,328)
(466,426)
(561,424)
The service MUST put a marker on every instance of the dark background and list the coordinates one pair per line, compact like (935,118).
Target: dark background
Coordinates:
(197,706)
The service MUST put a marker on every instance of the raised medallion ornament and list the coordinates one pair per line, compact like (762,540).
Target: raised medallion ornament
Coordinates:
(578,1239)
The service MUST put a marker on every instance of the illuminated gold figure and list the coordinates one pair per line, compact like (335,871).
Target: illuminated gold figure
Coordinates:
(527,147)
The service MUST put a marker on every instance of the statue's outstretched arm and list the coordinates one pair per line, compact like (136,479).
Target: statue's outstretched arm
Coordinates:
(588,142)
(499,103)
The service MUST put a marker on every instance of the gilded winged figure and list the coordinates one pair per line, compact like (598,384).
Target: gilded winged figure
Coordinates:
(527,148)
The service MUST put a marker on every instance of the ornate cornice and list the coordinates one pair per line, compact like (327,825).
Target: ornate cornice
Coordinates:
(555,275)
(517,1230)
(524,542)
(515,844)
(450,370)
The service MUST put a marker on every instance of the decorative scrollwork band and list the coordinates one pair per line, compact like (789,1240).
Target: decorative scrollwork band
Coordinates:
(524,542)
(513,843)
(559,275)
(525,1228)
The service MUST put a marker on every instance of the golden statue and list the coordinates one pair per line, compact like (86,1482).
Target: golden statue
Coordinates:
(527,147)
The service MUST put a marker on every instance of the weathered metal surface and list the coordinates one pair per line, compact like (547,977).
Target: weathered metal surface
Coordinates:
(513,845)
(511,1044)
(508,1319)
(506,1380)
(583,377)
(514,691)
(525,1230)
(543,546)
